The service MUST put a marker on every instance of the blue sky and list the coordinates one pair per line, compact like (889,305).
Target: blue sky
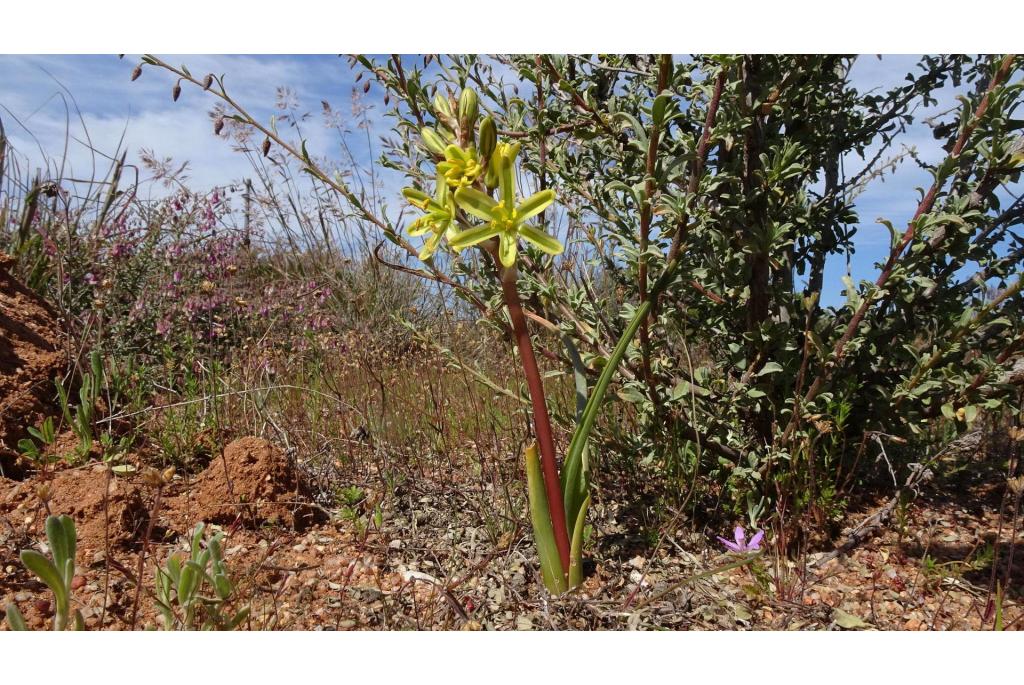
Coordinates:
(36,107)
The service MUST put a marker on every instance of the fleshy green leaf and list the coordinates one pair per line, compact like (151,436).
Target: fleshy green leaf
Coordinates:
(47,572)
(576,551)
(543,533)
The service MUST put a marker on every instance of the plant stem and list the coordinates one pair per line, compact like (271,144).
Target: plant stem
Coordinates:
(541,420)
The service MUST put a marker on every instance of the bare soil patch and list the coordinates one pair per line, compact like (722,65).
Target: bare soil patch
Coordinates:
(31,356)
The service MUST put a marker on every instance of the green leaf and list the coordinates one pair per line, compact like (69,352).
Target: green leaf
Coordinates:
(770,367)
(849,621)
(541,239)
(14,618)
(46,572)
(188,582)
(543,533)
(573,484)
(576,551)
(239,618)
(658,109)
(579,375)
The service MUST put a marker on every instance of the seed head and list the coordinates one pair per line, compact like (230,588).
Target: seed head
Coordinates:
(266,146)
(218,126)
(136,72)
(176,92)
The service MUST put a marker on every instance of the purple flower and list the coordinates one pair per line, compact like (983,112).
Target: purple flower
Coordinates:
(741,544)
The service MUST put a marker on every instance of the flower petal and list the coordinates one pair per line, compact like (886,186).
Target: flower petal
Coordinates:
(755,542)
(731,546)
(453,152)
(430,246)
(541,239)
(476,203)
(505,180)
(507,247)
(472,236)
(416,197)
(419,227)
(441,189)
(534,205)
(741,536)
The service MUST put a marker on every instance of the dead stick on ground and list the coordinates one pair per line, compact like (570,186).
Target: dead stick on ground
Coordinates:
(919,474)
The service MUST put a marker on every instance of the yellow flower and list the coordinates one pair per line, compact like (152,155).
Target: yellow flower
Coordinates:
(505,219)
(440,212)
(461,167)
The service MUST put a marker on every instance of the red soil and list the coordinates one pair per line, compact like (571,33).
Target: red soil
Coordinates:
(30,358)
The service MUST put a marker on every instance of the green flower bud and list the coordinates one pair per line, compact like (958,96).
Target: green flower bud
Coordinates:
(469,109)
(432,141)
(488,137)
(441,106)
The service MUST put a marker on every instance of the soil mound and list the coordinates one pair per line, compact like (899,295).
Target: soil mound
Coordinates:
(79,493)
(253,483)
(30,358)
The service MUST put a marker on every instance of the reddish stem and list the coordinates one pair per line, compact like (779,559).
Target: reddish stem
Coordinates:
(541,421)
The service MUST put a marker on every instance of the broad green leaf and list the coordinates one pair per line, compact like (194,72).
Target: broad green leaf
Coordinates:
(543,533)
(770,367)
(46,572)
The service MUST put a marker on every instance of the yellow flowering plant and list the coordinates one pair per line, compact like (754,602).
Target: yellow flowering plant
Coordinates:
(506,220)
(439,218)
